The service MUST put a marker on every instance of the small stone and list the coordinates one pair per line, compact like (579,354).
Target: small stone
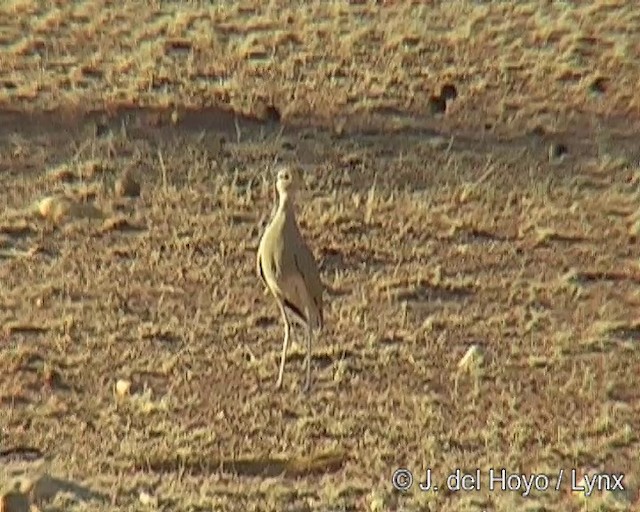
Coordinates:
(54,208)
(147,499)
(123,387)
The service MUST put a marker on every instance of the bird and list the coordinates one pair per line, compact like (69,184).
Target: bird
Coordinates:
(286,266)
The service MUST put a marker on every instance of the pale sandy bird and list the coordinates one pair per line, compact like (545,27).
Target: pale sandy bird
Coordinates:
(287,268)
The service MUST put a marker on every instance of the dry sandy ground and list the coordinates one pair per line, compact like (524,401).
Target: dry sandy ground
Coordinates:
(440,224)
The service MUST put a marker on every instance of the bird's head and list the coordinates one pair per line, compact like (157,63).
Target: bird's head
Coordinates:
(288,181)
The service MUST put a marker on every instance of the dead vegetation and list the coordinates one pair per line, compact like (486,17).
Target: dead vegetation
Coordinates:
(482,291)
(488,65)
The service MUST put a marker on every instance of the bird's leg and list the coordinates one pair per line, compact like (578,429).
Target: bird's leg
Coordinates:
(307,385)
(285,343)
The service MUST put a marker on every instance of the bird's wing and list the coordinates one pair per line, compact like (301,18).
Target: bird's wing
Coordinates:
(259,269)
(306,265)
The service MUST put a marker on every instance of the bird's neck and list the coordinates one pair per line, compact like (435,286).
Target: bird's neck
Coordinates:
(287,204)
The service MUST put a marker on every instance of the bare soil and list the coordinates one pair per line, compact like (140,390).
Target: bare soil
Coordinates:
(504,216)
